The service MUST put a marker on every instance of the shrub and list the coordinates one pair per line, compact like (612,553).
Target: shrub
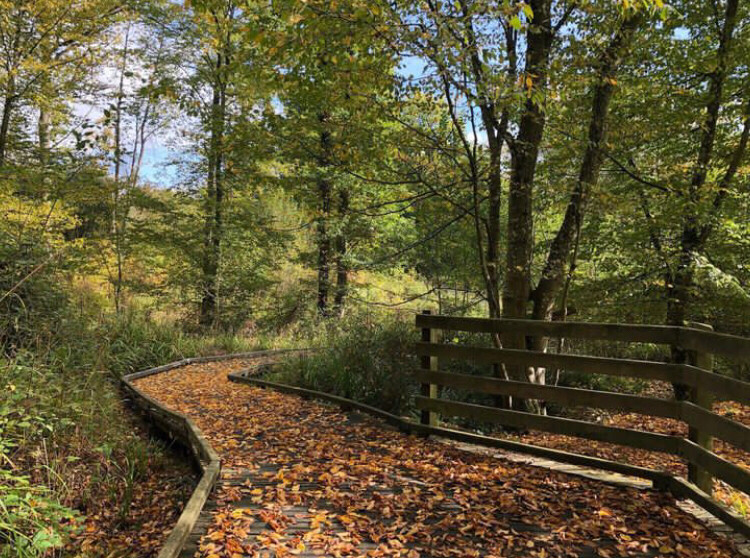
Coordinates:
(365,359)
(31,521)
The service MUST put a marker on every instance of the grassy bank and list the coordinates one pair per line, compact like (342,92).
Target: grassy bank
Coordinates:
(79,474)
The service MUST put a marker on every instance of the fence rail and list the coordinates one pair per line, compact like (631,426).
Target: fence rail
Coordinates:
(705,387)
(689,338)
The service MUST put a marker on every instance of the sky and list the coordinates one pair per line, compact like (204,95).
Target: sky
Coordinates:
(158,164)
(157,167)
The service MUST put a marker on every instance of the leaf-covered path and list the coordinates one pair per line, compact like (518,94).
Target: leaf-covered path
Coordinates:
(302,478)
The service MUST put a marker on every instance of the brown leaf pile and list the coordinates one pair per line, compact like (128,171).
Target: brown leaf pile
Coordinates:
(653,460)
(94,484)
(157,502)
(305,479)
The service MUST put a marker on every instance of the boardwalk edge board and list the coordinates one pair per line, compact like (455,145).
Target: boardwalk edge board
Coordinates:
(179,427)
(677,486)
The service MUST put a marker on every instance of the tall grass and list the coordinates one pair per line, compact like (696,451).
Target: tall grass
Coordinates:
(62,420)
(363,357)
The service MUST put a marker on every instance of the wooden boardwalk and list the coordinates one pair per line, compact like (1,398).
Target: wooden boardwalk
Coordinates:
(301,478)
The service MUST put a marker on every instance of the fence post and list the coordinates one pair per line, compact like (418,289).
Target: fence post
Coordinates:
(429,363)
(703,398)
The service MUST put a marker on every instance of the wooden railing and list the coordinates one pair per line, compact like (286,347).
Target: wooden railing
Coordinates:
(705,387)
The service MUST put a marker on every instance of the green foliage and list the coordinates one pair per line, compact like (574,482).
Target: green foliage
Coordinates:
(307,116)
(32,253)
(131,343)
(65,399)
(364,359)
(32,523)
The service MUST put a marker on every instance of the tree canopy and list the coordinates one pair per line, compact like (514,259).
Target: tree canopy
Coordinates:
(246,163)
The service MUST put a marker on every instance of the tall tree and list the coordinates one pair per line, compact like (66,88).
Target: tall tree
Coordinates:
(39,42)
(686,165)
(217,21)
(328,67)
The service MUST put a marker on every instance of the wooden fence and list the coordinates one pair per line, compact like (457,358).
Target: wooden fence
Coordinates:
(705,387)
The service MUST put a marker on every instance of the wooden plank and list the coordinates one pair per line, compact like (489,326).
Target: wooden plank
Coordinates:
(660,479)
(721,468)
(409,426)
(657,477)
(622,436)
(248,354)
(666,335)
(184,526)
(726,429)
(724,387)
(596,365)
(721,427)
(428,389)
(688,338)
(562,395)
(207,450)
(343,402)
(715,343)
(180,427)
(701,396)
(156,370)
(682,489)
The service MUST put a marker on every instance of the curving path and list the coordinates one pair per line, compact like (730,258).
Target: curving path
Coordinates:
(301,478)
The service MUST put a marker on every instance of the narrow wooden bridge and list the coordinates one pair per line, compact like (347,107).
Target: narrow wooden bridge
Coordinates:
(303,478)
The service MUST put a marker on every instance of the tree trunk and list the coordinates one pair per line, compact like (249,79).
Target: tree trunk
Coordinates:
(43,131)
(324,238)
(117,215)
(496,130)
(679,293)
(553,276)
(524,151)
(324,246)
(524,155)
(5,122)
(494,191)
(342,269)
(214,201)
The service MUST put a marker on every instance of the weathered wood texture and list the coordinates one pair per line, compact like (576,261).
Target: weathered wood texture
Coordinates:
(688,338)
(573,330)
(659,479)
(179,427)
(723,387)
(698,432)
(721,427)
(555,425)
(427,388)
(705,387)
